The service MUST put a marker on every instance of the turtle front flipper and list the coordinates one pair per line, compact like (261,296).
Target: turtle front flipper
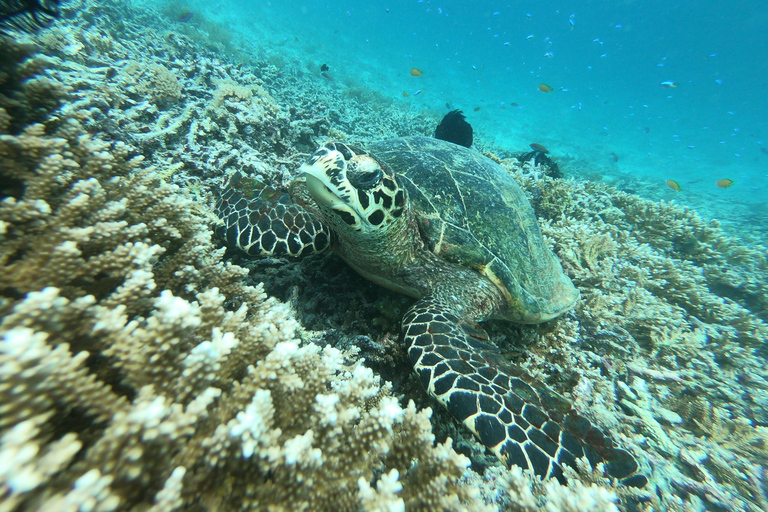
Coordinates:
(518,418)
(267,224)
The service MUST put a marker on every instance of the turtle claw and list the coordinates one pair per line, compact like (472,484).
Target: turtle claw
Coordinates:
(268,224)
(515,416)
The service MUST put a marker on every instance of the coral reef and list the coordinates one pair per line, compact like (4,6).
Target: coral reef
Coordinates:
(673,352)
(141,369)
(139,372)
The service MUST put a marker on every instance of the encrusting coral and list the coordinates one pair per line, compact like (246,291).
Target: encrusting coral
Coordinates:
(138,372)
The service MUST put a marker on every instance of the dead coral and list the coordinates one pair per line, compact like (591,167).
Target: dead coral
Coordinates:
(676,348)
(137,372)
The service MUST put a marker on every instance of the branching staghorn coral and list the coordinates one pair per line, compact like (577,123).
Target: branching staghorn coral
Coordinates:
(138,372)
(677,348)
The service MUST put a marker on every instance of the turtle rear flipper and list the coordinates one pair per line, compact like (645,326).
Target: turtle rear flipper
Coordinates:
(264,221)
(518,418)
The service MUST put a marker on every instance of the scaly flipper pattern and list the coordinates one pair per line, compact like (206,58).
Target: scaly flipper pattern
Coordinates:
(268,224)
(518,418)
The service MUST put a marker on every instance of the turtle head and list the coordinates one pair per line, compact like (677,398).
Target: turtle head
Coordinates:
(357,194)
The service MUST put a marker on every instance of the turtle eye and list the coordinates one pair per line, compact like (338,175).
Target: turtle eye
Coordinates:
(366,179)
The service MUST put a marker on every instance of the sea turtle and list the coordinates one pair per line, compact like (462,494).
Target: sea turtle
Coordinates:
(448,226)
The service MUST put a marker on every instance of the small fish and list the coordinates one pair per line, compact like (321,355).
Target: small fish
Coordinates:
(674,186)
(646,129)
(405,94)
(615,157)
(538,147)
(530,36)
(447,105)
(724,183)
(513,104)
(545,88)
(418,92)
(764,150)
(477,109)
(549,55)
(185,17)
(668,85)
(416,72)
(324,68)
(503,107)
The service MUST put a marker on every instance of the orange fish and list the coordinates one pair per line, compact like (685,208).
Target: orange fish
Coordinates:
(545,88)
(416,72)
(405,94)
(538,147)
(674,186)
(477,109)
(724,183)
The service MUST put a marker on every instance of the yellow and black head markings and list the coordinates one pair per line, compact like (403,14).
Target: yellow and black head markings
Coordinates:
(353,189)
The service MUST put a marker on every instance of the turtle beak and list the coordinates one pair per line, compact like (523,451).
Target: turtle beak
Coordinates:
(321,193)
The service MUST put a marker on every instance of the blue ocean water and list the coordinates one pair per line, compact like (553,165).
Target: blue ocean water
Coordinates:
(608,112)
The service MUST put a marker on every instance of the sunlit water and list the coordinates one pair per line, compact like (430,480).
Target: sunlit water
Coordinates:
(608,112)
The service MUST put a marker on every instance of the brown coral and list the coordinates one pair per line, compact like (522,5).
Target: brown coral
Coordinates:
(138,372)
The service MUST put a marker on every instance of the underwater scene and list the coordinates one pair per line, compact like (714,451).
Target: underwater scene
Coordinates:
(388,256)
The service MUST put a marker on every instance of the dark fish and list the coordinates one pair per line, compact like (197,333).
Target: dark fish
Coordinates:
(186,16)
(477,109)
(615,157)
(646,129)
(764,150)
(455,128)
(324,68)
(448,106)
(27,15)
(538,147)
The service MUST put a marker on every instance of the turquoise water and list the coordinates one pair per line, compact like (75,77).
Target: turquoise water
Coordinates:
(606,62)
